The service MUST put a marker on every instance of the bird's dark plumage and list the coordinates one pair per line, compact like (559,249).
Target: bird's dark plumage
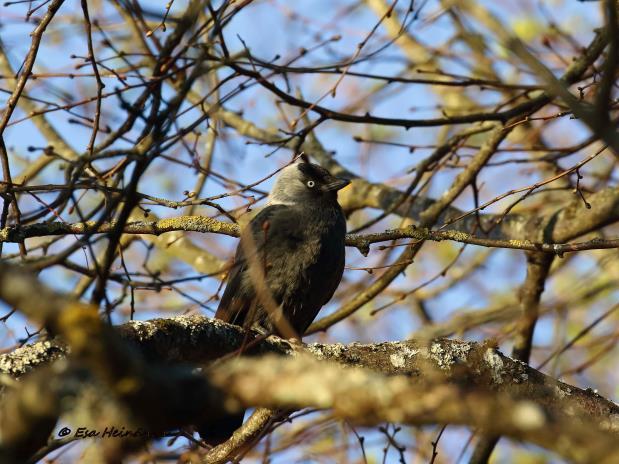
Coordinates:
(298,243)
(302,258)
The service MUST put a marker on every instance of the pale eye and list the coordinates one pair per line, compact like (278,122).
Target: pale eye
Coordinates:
(311,183)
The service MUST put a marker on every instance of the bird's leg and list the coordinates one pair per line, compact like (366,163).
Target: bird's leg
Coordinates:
(261,330)
(296,343)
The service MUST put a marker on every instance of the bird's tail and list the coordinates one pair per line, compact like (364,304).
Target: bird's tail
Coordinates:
(220,430)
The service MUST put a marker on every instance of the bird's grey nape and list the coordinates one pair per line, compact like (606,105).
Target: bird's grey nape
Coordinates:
(288,188)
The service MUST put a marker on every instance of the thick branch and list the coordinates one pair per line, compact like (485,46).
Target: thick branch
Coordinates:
(200,339)
(483,386)
(367,398)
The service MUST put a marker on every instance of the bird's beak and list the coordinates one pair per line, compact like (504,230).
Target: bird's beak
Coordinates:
(336,184)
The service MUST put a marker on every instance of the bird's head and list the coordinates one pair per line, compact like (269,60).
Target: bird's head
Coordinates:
(305,182)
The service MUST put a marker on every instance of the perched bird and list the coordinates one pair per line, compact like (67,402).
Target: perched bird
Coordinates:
(289,262)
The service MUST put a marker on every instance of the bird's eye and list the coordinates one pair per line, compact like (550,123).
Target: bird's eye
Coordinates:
(310,183)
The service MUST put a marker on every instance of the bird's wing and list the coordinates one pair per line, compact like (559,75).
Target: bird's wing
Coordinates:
(278,221)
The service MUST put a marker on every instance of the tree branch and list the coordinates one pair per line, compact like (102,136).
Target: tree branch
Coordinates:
(205,224)
(481,382)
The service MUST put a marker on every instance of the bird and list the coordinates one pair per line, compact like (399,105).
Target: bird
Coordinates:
(288,264)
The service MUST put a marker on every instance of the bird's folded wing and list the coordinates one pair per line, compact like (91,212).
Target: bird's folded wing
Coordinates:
(275,224)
